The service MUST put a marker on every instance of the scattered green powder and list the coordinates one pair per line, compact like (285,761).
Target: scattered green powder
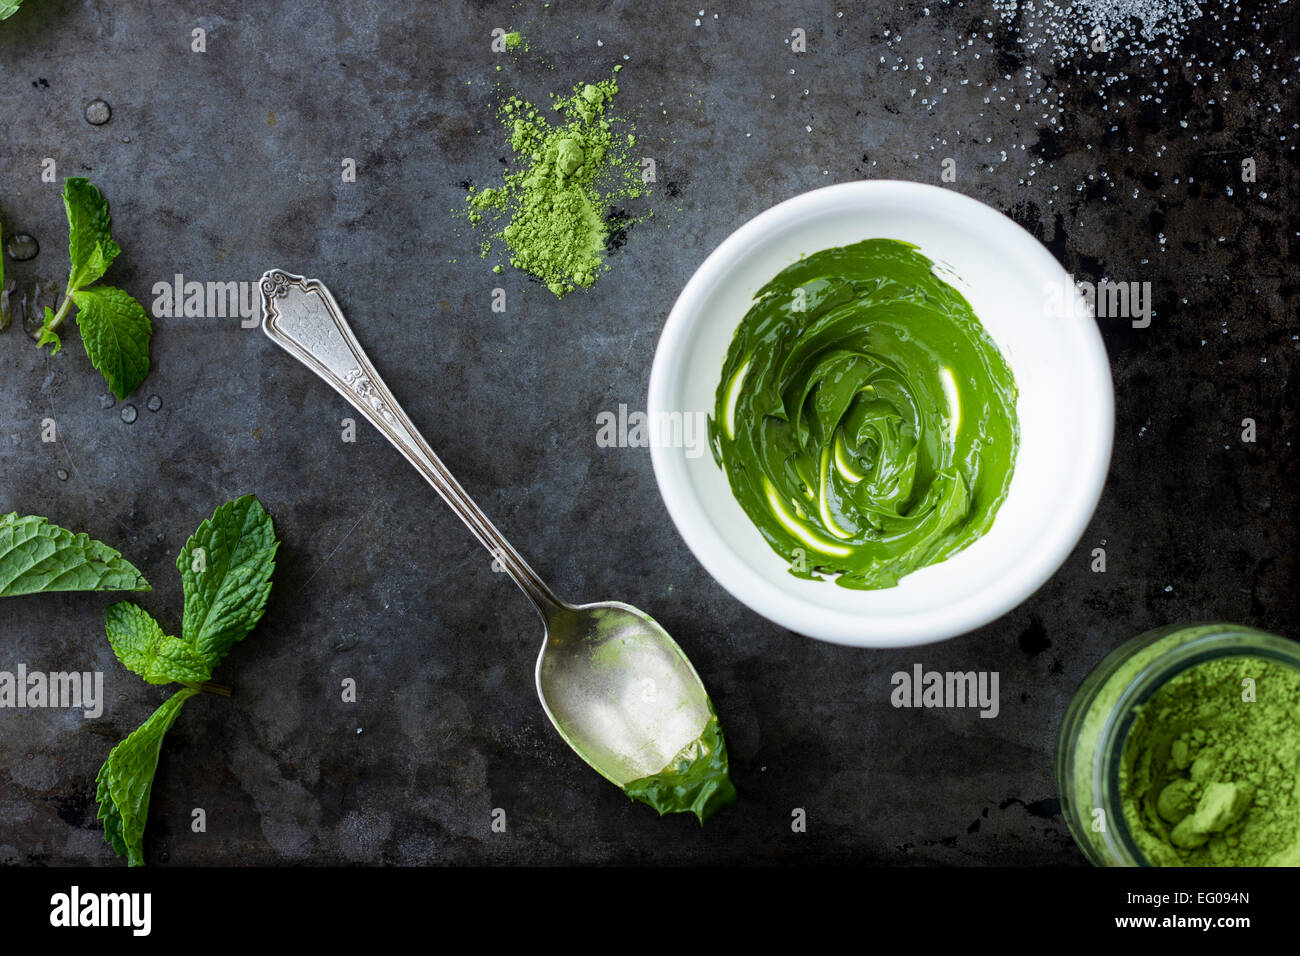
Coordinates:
(514,40)
(557,208)
(1211,779)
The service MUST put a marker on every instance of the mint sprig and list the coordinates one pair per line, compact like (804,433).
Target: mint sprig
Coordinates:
(36,556)
(114,327)
(226,568)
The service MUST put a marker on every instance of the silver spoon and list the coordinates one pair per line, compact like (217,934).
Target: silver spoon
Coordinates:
(615,685)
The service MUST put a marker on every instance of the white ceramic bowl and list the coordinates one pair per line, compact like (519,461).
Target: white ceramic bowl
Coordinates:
(1066,412)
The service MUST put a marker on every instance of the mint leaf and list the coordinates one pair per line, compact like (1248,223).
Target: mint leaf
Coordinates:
(96,264)
(48,336)
(8,8)
(38,556)
(90,232)
(142,647)
(124,782)
(116,332)
(226,573)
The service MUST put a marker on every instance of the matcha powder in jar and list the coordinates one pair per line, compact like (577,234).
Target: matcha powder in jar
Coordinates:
(1183,749)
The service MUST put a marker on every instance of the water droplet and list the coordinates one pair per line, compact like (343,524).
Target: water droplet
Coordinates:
(107,401)
(154,403)
(98,113)
(129,413)
(22,247)
(63,475)
(32,317)
(31,299)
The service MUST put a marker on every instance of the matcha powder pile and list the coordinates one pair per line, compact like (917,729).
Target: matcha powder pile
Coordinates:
(1211,770)
(554,209)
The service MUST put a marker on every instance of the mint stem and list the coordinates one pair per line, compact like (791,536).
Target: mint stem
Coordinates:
(221,690)
(64,308)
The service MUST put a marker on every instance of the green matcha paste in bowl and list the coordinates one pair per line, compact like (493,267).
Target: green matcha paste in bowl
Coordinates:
(865,419)
(1183,749)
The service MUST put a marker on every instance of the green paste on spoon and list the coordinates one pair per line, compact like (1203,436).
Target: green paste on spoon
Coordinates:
(695,781)
(865,420)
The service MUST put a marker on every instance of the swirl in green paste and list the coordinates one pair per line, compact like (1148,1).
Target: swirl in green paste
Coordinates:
(865,420)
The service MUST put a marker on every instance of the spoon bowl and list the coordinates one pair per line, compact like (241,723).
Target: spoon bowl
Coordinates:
(619,690)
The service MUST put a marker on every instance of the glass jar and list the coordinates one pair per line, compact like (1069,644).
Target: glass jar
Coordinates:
(1090,750)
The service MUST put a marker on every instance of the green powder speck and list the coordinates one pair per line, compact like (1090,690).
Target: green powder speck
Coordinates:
(554,209)
(1210,778)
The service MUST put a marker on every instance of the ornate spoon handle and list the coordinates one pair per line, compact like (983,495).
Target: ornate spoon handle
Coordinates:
(301,316)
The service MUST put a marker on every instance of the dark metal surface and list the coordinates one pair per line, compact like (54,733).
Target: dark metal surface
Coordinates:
(221,164)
